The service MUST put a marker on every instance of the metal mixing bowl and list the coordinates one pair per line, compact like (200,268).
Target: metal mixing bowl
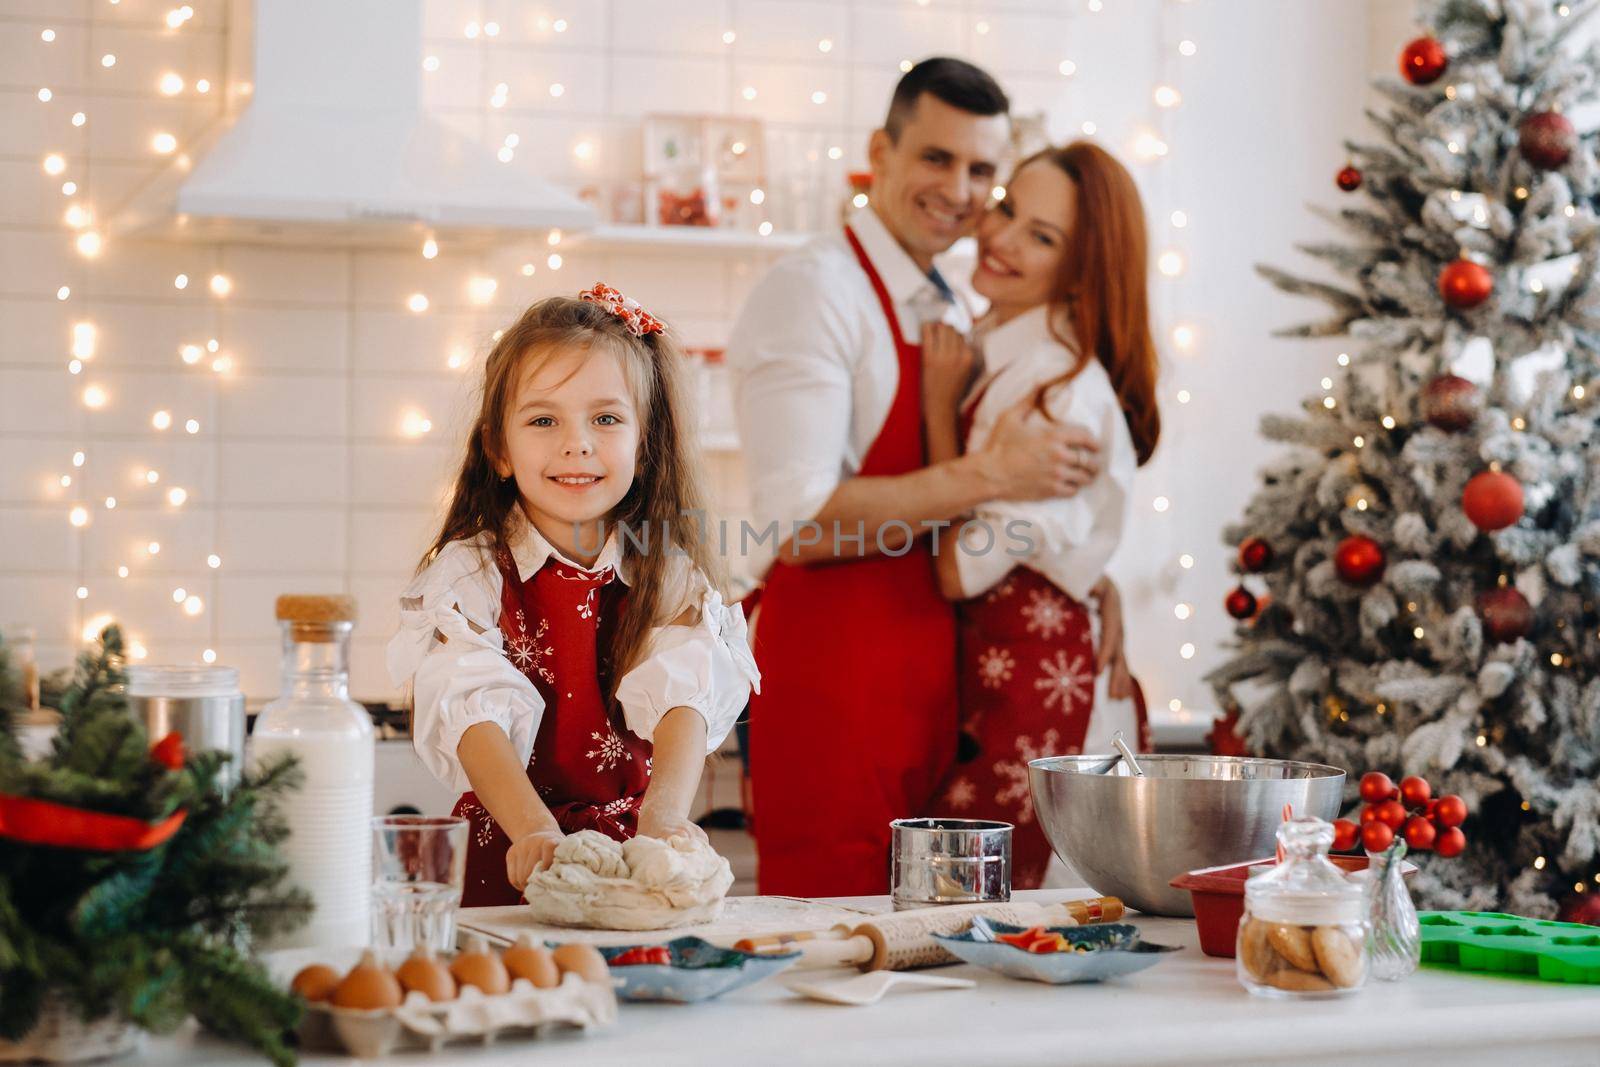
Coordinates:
(1128,837)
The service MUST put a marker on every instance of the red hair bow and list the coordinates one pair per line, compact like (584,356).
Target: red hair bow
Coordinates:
(640,321)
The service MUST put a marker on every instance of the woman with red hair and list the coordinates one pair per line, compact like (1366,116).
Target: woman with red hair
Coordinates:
(1062,262)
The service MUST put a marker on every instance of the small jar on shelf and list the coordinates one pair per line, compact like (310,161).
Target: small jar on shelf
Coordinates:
(1305,925)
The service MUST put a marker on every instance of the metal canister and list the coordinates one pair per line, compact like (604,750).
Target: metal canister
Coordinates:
(949,861)
(204,704)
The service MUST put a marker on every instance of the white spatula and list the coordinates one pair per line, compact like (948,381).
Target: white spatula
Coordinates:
(869,988)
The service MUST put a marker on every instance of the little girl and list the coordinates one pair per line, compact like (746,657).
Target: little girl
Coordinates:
(571,657)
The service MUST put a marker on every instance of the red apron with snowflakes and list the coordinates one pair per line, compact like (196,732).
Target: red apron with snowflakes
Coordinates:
(1027,679)
(590,772)
(856,720)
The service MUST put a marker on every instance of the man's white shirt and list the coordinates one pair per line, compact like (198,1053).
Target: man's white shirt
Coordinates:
(815,370)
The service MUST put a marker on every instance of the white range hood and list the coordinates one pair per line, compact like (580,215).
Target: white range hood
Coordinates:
(326,143)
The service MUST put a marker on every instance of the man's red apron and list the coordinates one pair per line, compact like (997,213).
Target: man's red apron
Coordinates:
(589,771)
(855,724)
(1027,680)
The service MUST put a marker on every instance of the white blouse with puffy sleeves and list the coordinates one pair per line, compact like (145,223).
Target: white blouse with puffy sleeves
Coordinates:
(1069,540)
(450,648)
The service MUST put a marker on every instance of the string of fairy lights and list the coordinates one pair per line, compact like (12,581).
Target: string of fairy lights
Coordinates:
(1148,146)
(1175,47)
(78,217)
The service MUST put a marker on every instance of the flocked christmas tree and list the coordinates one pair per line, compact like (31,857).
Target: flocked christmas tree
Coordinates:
(1421,572)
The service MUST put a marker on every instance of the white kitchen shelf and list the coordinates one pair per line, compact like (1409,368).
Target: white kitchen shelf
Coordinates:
(703,238)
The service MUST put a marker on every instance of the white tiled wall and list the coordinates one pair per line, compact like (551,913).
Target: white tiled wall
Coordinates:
(300,478)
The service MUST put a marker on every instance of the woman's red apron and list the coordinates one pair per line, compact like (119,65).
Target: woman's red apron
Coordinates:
(590,771)
(1027,679)
(856,720)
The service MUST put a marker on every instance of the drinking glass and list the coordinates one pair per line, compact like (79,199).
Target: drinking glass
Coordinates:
(419,866)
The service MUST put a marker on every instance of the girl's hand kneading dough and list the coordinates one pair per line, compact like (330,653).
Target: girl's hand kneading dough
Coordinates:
(667,824)
(680,754)
(530,853)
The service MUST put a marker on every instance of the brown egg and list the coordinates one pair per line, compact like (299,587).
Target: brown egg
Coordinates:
(427,974)
(315,983)
(368,985)
(480,968)
(583,960)
(533,962)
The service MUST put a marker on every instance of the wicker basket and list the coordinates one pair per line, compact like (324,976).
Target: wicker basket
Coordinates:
(61,1036)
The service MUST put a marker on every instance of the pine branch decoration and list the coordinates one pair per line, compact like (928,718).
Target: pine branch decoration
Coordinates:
(157,935)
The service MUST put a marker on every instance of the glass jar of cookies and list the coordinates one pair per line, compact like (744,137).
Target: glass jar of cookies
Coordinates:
(1304,930)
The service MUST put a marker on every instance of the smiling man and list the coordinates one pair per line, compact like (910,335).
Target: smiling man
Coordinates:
(856,721)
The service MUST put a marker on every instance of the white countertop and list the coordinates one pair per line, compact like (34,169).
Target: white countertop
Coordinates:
(1188,1010)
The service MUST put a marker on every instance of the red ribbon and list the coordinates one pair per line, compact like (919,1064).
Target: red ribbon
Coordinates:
(43,822)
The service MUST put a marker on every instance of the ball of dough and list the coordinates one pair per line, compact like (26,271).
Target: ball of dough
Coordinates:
(593,851)
(641,884)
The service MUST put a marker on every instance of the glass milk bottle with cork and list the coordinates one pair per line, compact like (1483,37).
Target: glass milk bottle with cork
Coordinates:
(329,849)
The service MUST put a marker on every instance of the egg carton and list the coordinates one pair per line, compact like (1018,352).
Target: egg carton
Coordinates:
(420,1023)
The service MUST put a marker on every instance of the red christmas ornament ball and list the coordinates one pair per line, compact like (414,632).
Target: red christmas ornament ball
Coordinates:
(1492,500)
(1348,179)
(1376,836)
(1420,834)
(1464,284)
(169,751)
(1241,603)
(1546,139)
(1451,842)
(1255,555)
(1581,908)
(1451,811)
(1359,560)
(1450,402)
(1369,813)
(1345,835)
(1506,614)
(1376,787)
(1392,814)
(1423,61)
(1415,791)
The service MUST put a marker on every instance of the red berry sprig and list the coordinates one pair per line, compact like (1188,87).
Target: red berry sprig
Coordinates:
(1408,810)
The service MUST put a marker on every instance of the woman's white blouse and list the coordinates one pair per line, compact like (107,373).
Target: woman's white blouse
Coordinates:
(466,678)
(1072,538)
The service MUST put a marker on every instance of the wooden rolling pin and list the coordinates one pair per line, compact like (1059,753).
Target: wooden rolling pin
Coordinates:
(904,940)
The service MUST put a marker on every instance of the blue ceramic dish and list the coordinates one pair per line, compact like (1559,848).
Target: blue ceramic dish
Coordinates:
(1110,951)
(699,971)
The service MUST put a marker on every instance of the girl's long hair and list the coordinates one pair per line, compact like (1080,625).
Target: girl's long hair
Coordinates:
(1102,286)
(664,508)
